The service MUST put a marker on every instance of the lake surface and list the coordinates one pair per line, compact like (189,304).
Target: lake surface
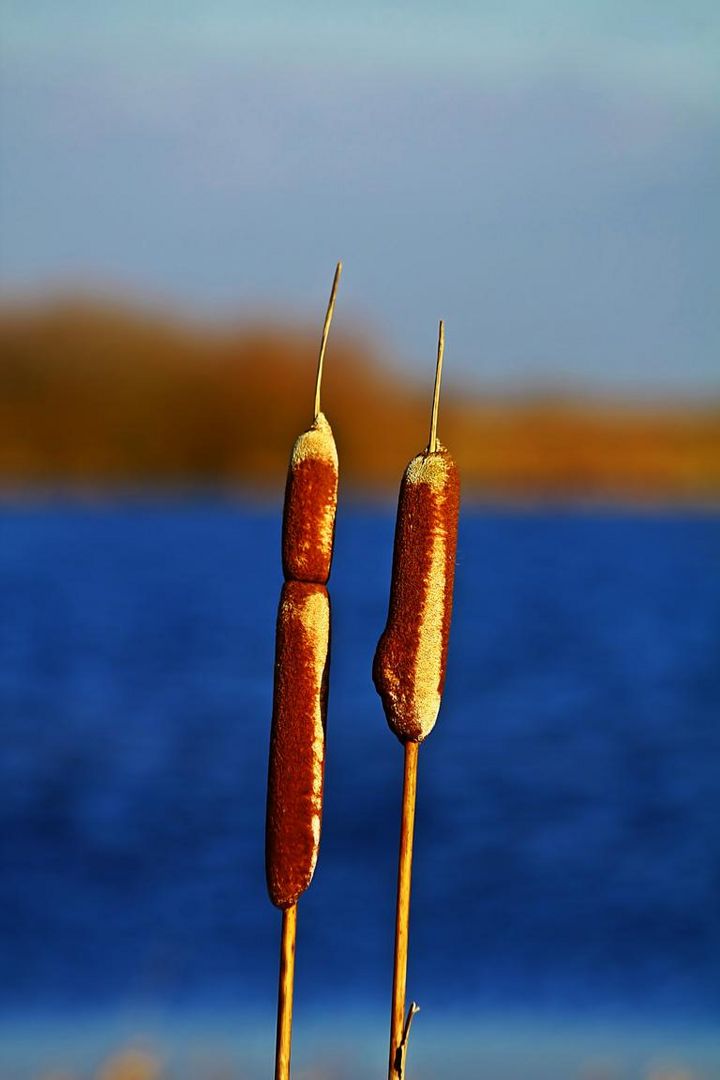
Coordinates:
(567,859)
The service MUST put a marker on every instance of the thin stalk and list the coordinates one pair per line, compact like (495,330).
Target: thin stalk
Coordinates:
(285,993)
(324,337)
(402,914)
(432,443)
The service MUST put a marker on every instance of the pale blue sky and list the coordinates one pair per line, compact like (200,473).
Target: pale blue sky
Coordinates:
(544,174)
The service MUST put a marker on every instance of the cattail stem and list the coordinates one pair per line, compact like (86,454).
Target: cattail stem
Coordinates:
(402,914)
(285,993)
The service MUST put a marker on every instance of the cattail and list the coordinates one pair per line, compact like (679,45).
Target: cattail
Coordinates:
(409,666)
(297,738)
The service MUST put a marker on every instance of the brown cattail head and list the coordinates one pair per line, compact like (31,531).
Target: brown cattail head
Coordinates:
(310,504)
(409,667)
(297,740)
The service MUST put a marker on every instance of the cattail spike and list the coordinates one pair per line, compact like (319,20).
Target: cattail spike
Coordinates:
(323,339)
(432,444)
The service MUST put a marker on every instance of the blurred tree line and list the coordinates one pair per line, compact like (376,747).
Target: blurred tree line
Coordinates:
(99,396)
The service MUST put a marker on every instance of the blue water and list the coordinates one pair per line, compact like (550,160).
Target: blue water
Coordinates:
(568,833)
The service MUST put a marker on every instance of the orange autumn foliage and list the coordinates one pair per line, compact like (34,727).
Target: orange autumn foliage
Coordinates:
(97,396)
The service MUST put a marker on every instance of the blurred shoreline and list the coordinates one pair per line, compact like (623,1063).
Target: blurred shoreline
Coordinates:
(98,398)
(333,1046)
